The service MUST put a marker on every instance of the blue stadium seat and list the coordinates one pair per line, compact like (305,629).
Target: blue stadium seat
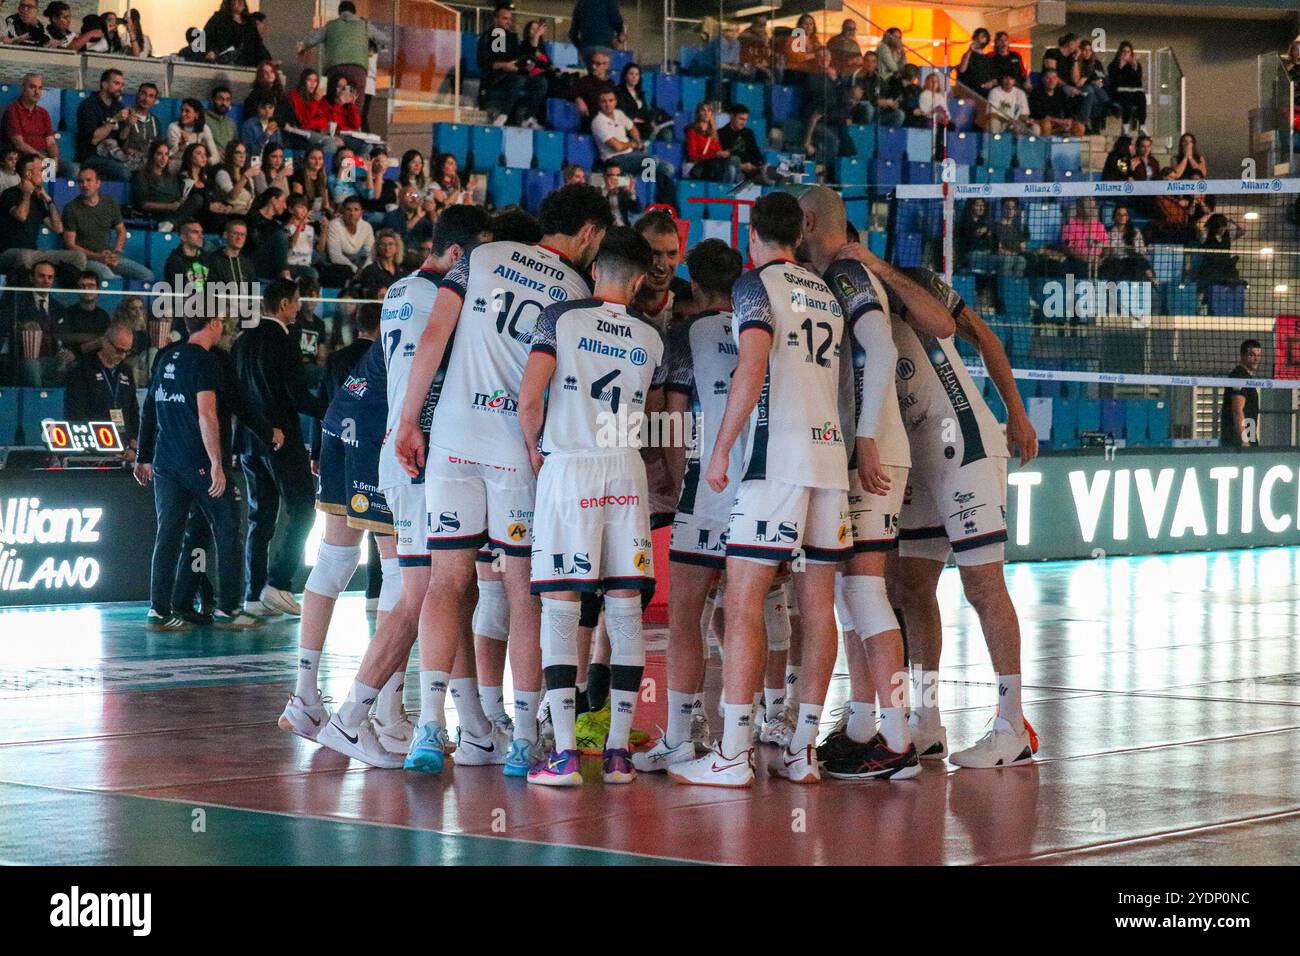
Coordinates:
(999,149)
(688,189)
(877,242)
(9,412)
(919,173)
(564,55)
(1166,262)
(469,56)
(115,284)
(137,245)
(681,120)
(167,111)
(1024,174)
(1013,297)
(863,138)
(9,92)
(993,400)
(668,92)
(121,192)
(562,115)
(645,191)
(718,210)
(918,144)
(52,102)
(751,94)
(618,61)
(859,212)
(1065,422)
(1044,222)
(1137,415)
(891,143)
(686,56)
(1032,151)
(1114,417)
(580,150)
(694,90)
(161,245)
(759,125)
(990,174)
(548,149)
(1159,417)
(1065,176)
(782,102)
(505,186)
(71,101)
(851,171)
(538,183)
(964,148)
(517,147)
(1089,414)
(1227,299)
(963,283)
(1066,153)
(909,250)
(63,191)
(1179,298)
(668,152)
(452,138)
(48,240)
(961,112)
(486,144)
(36,405)
(885,174)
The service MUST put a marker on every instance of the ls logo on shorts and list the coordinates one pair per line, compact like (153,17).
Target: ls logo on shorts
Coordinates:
(448,521)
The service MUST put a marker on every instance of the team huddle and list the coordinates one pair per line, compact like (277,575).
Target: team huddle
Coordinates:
(491,436)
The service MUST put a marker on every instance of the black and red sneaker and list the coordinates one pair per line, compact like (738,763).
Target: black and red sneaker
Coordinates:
(874,761)
(837,745)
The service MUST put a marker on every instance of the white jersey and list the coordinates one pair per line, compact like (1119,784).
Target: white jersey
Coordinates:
(607,359)
(870,398)
(934,388)
(504,287)
(794,432)
(702,356)
(402,321)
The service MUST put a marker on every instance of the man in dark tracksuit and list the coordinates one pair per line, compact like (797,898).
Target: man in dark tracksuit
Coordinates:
(271,382)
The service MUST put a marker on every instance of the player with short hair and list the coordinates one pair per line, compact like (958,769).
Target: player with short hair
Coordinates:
(791,504)
(593,366)
(478,480)
(381,382)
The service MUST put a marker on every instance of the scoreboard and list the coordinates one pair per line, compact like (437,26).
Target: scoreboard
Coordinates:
(72,438)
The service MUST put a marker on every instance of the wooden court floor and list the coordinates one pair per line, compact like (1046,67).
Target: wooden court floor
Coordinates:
(1165,691)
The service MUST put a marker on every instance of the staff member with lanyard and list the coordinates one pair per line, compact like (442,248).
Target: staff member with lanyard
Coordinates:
(185,460)
(101,388)
(269,370)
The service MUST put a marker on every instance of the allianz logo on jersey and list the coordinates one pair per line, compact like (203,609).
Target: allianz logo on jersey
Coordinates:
(728,348)
(827,433)
(497,401)
(397,315)
(802,301)
(636,356)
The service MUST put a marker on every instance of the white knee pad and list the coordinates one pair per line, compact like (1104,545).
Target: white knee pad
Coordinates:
(559,633)
(776,618)
(842,606)
(868,603)
(492,612)
(390,592)
(623,627)
(335,565)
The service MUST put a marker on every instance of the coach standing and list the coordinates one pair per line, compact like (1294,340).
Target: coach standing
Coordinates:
(269,371)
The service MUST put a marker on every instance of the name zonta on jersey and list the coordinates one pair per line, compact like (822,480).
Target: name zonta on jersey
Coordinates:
(402,320)
(504,286)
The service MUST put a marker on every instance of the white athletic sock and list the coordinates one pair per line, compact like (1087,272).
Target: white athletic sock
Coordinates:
(526,702)
(354,710)
(433,697)
(774,699)
(862,721)
(893,727)
(464,694)
(925,697)
(388,706)
(627,664)
(792,681)
(561,703)
(736,729)
(493,701)
(681,708)
(308,686)
(1009,707)
(805,731)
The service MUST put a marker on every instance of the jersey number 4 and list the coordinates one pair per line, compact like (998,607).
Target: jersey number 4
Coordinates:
(601,391)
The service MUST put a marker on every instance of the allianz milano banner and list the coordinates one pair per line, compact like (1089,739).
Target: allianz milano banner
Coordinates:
(1082,506)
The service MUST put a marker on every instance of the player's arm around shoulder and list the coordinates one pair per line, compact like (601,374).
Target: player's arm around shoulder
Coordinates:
(924,309)
(1020,430)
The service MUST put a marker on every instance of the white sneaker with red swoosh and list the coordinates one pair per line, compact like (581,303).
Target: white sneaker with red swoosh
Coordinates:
(797,766)
(716,769)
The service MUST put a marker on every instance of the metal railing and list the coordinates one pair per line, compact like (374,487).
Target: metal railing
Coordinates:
(66,69)
(1271,122)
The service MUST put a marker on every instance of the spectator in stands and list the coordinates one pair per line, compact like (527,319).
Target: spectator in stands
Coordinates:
(411,219)
(189,129)
(1052,108)
(1176,219)
(1092,76)
(595,26)
(31,318)
(24,28)
(348,244)
(1011,239)
(24,209)
(62,35)
(309,110)
(310,334)
(311,179)
(187,262)
(1008,107)
(27,125)
(881,98)
(137,42)
(223,34)
(634,103)
(890,55)
(933,103)
(342,97)
(232,182)
(384,267)
(709,161)
(739,140)
(378,193)
(1125,258)
(256,132)
(131,312)
(756,50)
(411,174)
(305,242)
(1007,60)
(81,328)
(112,34)
(574,175)
(619,142)
(267,85)
(140,131)
(910,74)
(347,40)
(1189,163)
(100,386)
(1216,265)
(799,52)
(534,60)
(974,237)
(448,186)
(217,121)
(1239,414)
(846,54)
(156,192)
(588,90)
(1083,238)
(9,167)
(977,69)
(1119,161)
(1065,59)
(720,56)
(99,117)
(618,189)
(92,225)
(268,244)
(343,181)
(228,264)
(1146,168)
(252,49)
(197,200)
(1124,79)
(271,171)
